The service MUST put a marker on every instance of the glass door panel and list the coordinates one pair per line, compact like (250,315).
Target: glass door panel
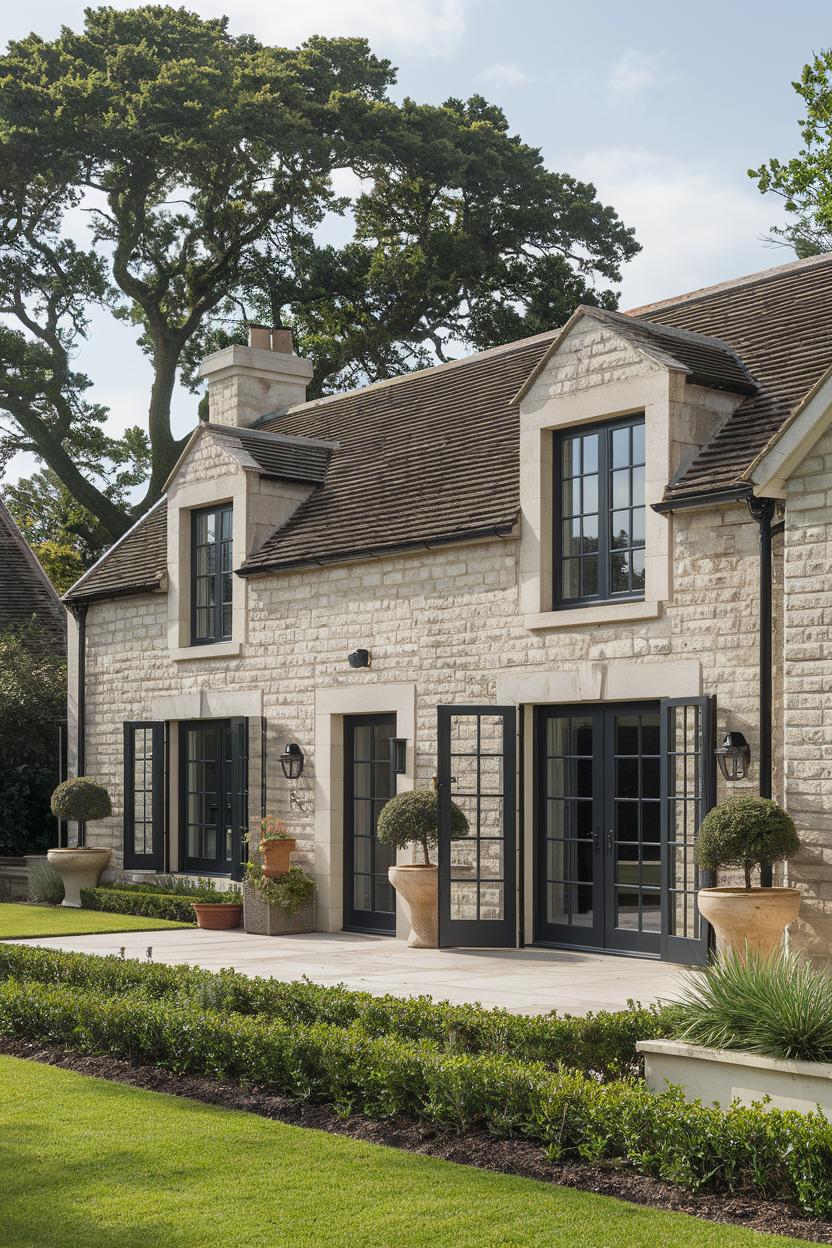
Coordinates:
(369,782)
(214,796)
(633,839)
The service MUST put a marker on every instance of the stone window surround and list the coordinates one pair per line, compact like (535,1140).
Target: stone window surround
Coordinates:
(183,500)
(652,394)
(331,705)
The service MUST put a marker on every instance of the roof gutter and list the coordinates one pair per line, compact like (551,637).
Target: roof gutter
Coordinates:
(734,494)
(379,552)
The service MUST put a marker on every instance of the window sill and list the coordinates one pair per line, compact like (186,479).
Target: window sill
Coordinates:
(603,613)
(218,650)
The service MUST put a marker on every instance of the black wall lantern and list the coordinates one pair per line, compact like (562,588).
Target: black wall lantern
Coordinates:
(291,760)
(398,755)
(359,658)
(733,756)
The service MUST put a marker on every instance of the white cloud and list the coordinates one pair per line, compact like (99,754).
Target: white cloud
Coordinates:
(697,222)
(630,75)
(503,74)
(419,27)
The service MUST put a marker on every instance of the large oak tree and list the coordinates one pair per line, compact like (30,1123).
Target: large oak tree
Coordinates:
(205,163)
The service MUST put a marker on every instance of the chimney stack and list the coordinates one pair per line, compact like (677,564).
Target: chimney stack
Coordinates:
(245,383)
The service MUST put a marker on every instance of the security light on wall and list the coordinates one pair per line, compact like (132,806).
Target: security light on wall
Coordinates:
(398,755)
(734,756)
(292,760)
(359,658)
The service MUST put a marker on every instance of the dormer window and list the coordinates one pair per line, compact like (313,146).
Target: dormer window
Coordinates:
(211,574)
(599,510)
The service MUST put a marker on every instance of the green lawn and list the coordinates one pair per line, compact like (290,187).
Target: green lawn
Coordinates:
(20,919)
(92,1164)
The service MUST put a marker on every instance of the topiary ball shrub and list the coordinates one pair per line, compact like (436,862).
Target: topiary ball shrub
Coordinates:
(81,800)
(746,832)
(413,819)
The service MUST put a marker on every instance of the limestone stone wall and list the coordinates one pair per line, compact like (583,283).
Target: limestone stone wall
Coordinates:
(807,679)
(447,620)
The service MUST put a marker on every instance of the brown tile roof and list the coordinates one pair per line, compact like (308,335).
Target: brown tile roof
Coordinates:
(779,323)
(136,564)
(25,589)
(708,360)
(281,457)
(429,457)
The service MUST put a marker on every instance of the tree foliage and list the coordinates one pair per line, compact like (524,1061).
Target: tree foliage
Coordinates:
(82,800)
(746,832)
(412,818)
(804,182)
(32,701)
(204,164)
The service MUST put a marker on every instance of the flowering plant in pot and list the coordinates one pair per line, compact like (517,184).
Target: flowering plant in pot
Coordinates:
(412,818)
(276,846)
(747,833)
(219,910)
(81,800)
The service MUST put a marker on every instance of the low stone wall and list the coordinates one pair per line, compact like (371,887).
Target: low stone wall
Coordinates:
(14,877)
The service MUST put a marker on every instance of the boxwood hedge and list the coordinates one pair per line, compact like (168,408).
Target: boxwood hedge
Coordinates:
(601,1044)
(154,905)
(773,1153)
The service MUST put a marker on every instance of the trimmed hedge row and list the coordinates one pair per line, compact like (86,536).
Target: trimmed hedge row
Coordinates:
(601,1044)
(776,1154)
(154,905)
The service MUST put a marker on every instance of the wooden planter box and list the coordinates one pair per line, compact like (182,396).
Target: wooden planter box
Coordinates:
(261,919)
(724,1075)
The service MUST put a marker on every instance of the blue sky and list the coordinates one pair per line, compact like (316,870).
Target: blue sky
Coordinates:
(662,105)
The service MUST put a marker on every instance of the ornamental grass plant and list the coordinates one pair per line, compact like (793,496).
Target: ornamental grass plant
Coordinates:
(777,1006)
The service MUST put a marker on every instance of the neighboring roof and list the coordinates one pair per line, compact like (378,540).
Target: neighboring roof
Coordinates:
(430,457)
(280,457)
(136,564)
(705,360)
(25,589)
(779,322)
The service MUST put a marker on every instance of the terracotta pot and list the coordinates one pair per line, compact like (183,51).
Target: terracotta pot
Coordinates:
(277,857)
(749,919)
(78,868)
(216,917)
(418,888)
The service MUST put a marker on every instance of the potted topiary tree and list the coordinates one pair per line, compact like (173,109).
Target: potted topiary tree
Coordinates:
(80,800)
(412,818)
(749,833)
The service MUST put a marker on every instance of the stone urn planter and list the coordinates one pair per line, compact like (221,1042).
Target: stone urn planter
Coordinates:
(277,856)
(749,919)
(748,833)
(216,916)
(78,868)
(418,887)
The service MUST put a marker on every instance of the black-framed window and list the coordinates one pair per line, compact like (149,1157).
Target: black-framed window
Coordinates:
(211,574)
(144,795)
(599,513)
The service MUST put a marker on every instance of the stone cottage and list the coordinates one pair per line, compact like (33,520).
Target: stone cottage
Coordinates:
(552,577)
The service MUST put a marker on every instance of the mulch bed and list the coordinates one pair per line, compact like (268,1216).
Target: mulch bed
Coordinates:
(518,1157)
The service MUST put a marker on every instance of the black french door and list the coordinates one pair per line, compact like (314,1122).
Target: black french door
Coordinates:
(621,791)
(476,770)
(369,782)
(214,796)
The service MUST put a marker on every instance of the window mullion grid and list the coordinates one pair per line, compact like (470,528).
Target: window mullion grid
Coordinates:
(604,514)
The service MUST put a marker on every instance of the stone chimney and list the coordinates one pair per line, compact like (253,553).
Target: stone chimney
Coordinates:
(245,383)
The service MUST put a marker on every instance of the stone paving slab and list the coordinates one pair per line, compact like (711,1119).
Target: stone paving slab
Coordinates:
(525,981)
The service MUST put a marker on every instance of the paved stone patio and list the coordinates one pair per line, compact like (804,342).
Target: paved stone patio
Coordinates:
(525,981)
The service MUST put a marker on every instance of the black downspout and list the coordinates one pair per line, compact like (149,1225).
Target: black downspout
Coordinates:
(521,829)
(80,613)
(762,509)
(263,764)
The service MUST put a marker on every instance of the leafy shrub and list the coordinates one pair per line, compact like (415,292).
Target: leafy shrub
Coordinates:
(45,884)
(290,892)
(778,1005)
(153,905)
(772,1153)
(273,829)
(601,1044)
(746,832)
(412,818)
(82,800)
(32,702)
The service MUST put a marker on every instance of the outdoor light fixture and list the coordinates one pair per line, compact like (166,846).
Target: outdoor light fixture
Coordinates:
(398,755)
(733,756)
(359,658)
(291,760)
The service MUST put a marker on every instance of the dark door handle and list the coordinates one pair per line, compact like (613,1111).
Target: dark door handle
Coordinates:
(596,840)
(610,837)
